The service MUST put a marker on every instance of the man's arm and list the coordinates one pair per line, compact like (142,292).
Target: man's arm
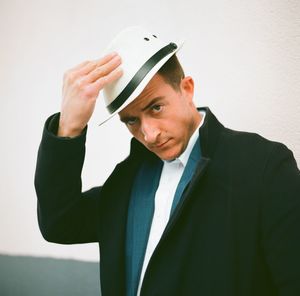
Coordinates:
(281,220)
(66,215)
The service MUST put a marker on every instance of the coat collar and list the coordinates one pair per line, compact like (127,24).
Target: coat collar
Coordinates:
(209,133)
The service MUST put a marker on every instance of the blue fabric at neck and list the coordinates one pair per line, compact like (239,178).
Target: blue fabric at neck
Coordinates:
(187,173)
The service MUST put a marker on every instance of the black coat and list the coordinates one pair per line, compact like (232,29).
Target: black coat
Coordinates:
(236,230)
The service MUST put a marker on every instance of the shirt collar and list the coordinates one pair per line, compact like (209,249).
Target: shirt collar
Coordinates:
(183,158)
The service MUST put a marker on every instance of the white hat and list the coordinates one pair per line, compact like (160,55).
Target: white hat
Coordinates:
(142,54)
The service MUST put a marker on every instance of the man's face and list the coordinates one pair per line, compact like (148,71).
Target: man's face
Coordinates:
(162,118)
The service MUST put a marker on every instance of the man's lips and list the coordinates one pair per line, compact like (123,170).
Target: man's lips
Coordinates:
(161,145)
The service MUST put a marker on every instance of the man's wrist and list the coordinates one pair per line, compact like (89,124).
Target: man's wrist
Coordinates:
(68,133)
(55,129)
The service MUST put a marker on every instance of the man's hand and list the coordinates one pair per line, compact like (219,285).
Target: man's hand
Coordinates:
(80,91)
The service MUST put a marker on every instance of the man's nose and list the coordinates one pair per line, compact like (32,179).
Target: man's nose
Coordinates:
(150,131)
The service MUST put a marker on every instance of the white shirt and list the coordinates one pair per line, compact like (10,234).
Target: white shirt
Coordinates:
(169,179)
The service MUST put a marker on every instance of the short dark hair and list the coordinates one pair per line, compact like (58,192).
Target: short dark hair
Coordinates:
(172,72)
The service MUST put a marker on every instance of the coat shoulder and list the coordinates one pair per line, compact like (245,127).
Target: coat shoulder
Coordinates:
(248,143)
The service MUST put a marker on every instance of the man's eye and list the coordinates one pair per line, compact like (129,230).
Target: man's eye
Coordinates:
(156,108)
(131,121)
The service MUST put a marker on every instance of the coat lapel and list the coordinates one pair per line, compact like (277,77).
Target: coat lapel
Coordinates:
(209,134)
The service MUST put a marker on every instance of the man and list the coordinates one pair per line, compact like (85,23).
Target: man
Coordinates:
(195,209)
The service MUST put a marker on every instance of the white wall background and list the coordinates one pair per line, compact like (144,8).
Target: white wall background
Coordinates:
(243,55)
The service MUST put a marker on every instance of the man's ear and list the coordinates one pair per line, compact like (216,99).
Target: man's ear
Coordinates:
(187,88)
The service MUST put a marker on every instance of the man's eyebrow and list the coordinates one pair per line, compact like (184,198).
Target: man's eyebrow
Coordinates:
(153,101)
(125,119)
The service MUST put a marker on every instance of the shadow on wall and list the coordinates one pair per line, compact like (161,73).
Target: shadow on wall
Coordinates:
(34,276)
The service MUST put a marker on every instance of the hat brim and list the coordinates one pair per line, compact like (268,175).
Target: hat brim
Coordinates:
(138,90)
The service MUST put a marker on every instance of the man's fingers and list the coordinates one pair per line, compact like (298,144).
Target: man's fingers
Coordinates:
(106,58)
(103,70)
(88,67)
(96,86)
(112,76)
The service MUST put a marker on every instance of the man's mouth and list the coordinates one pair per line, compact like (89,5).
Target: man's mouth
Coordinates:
(161,145)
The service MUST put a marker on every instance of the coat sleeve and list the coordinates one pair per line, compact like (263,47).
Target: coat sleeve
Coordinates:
(281,220)
(65,214)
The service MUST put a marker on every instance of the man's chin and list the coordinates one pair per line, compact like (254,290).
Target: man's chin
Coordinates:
(167,155)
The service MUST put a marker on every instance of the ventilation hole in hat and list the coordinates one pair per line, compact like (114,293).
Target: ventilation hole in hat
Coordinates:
(154,36)
(147,39)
